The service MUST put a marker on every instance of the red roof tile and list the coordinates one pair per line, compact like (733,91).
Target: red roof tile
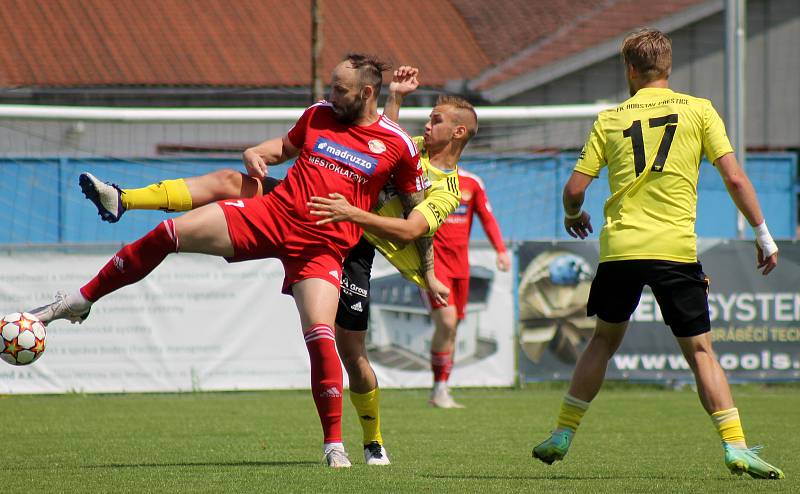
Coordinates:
(222,42)
(266,43)
(593,22)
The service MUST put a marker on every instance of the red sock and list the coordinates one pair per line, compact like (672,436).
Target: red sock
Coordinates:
(326,380)
(133,262)
(441,363)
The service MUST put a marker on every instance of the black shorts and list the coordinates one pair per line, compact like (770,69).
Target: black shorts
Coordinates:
(353,310)
(681,290)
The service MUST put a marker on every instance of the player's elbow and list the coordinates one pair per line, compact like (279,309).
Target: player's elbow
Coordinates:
(412,232)
(736,184)
(413,228)
(573,192)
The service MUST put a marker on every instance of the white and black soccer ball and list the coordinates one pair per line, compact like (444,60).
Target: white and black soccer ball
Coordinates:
(22,338)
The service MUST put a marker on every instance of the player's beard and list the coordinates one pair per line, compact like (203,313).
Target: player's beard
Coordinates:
(349,114)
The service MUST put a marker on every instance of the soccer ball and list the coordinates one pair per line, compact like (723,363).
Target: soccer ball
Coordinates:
(22,338)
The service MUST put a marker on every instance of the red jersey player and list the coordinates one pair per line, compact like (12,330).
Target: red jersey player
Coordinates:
(451,254)
(342,146)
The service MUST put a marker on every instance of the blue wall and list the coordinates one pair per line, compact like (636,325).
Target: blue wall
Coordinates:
(40,201)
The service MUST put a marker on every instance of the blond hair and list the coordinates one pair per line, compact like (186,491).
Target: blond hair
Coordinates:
(649,52)
(465,113)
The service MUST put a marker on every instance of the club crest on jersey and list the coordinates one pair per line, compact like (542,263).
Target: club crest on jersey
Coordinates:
(466,195)
(376,146)
(346,156)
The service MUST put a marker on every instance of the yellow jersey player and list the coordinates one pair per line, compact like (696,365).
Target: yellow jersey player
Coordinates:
(652,145)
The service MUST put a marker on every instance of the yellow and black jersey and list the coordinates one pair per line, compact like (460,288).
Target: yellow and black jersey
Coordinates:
(652,145)
(441,198)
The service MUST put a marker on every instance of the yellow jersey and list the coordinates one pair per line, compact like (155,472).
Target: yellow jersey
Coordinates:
(441,198)
(653,144)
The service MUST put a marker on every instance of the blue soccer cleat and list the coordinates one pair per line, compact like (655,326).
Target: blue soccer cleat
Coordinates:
(555,447)
(746,460)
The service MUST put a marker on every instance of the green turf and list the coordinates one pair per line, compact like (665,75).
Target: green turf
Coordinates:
(636,439)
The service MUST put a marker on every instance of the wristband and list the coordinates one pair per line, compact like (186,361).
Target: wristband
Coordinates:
(764,239)
(573,216)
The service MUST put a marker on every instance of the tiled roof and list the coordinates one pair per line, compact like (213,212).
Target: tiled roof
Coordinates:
(222,42)
(266,43)
(568,27)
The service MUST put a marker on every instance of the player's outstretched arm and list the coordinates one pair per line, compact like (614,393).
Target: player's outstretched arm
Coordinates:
(491,227)
(270,152)
(336,208)
(744,196)
(577,222)
(404,82)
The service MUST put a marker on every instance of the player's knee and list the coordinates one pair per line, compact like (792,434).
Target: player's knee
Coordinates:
(227,183)
(353,361)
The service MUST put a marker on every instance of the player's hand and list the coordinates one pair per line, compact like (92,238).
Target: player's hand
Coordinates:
(333,208)
(579,227)
(255,164)
(503,261)
(767,263)
(404,80)
(438,290)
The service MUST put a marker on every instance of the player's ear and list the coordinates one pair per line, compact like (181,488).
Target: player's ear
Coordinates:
(367,91)
(460,131)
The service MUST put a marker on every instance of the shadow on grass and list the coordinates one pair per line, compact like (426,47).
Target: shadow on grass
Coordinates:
(573,477)
(207,464)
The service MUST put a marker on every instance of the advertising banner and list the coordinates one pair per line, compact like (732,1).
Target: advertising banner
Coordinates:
(399,339)
(199,323)
(755,319)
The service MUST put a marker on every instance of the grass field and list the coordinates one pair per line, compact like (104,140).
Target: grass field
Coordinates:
(634,439)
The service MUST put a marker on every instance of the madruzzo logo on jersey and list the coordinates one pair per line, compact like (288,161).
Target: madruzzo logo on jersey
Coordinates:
(346,156)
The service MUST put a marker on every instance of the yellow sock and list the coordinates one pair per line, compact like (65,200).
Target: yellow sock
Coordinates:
(571,413)
(369,414)
(168,195)
(729,427)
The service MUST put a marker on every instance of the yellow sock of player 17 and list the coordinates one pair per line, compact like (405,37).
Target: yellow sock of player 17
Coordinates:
(729,427)
(168,195)
(571,413)
(368,408)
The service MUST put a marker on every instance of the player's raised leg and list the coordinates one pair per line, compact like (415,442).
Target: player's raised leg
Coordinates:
(202,231)
(180,194)
(586,382)
(715,395)
(445,321)
(316,301)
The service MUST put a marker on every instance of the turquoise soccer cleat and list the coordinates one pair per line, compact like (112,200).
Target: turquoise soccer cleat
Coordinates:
(739,461)
(555,447)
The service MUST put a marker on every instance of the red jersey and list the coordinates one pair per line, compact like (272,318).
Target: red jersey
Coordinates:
(451,240)
(355,161)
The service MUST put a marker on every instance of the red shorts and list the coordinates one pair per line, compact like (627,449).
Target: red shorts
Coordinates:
(459,294)
(260,229)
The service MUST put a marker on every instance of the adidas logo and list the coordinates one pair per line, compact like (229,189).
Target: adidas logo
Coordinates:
(331,392)
(335,274)
(357,306)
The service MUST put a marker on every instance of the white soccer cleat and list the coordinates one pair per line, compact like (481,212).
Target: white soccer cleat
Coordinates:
(375,454)
(336,456)
(440,398)
(61,309)
(106,197)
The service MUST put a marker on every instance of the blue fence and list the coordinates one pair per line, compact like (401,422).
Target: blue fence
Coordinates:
(40,201)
